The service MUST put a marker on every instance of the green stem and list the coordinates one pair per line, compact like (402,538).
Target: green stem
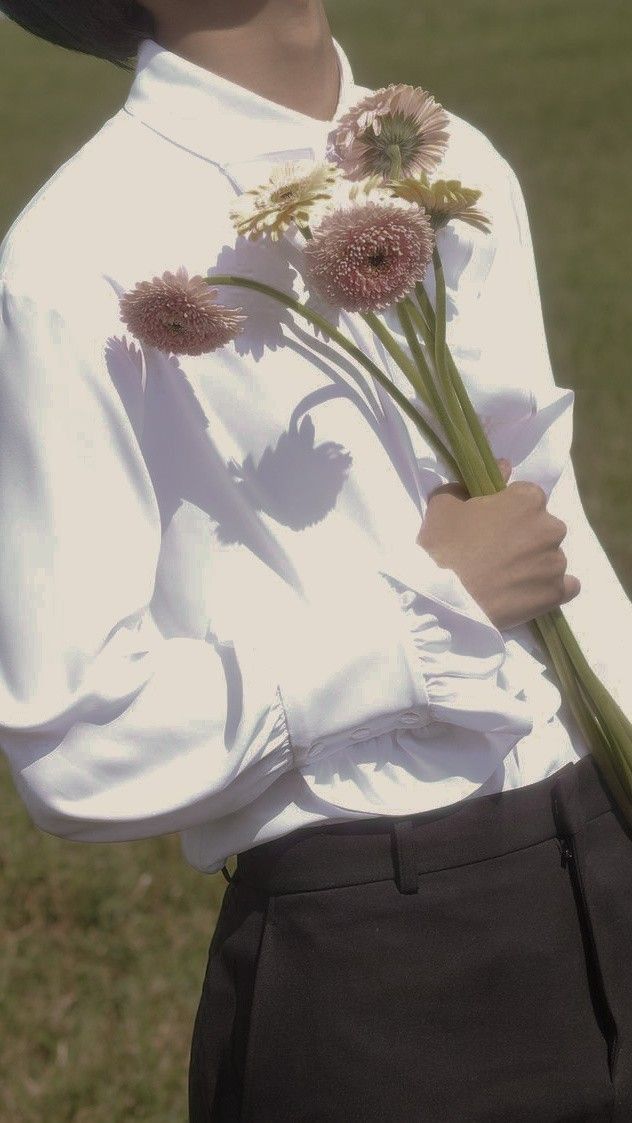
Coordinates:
(395,155)
(471,416)
(346,345)
(419,378)
(603,746)
(417,319)
(397,354)
(413,375)
(425,319)
(605,704)
(425,328)
(441,312)
(425,304)
(477,478)
(544,629)
(405,319)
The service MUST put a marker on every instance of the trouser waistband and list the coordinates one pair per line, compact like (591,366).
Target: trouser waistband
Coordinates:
(358,851)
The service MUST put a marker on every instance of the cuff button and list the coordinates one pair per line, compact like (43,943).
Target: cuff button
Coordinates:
(360,734)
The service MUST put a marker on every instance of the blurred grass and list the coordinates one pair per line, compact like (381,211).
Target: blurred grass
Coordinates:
(104,947)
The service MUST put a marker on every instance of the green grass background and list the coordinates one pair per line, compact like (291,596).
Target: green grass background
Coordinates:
(104,947)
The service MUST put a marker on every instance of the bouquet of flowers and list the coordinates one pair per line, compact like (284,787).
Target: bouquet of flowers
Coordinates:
(366,220)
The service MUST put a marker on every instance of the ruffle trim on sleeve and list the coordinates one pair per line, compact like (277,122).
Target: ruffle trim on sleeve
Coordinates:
(473,719)
(465,676)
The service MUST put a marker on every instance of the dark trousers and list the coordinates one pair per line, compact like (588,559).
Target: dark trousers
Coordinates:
(472,964)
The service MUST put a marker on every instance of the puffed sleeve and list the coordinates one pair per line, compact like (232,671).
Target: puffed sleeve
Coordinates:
(113,730)
(601,614)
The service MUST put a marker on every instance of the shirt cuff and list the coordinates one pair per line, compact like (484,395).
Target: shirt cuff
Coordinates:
(467,683)
(348,668)
(461,654)
(473,718)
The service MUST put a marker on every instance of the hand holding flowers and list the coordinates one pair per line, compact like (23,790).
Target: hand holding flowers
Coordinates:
(505,548)
(369,218)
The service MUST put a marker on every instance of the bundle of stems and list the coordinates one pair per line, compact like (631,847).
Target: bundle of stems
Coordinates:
(465,449)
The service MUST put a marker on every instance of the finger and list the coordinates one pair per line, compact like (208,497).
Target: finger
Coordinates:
(572,586)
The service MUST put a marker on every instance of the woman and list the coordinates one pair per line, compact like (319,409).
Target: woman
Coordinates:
(241,601)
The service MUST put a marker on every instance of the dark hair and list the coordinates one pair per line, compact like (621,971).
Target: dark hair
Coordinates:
(107,29)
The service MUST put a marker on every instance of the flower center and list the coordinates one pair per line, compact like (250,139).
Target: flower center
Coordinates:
(286,194)
(377,260)
(172,322)
(397,131)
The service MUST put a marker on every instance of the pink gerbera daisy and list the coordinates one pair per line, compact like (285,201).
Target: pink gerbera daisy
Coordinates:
(397,131)
(367,257)
(179,314)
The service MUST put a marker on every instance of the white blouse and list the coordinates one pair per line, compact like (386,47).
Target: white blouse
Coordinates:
(214,616)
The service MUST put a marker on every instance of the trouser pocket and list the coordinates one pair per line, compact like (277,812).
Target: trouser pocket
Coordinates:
(603,1013)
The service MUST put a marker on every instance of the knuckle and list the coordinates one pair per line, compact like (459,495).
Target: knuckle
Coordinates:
(531,492)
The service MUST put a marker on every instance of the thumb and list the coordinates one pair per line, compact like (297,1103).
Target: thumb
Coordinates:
(458,491)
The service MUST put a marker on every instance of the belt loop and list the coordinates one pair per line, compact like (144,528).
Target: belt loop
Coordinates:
(404,856)
(565,805)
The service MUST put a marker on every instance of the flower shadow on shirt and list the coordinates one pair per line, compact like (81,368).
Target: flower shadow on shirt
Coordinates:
(381,414)
(296,482)
(181,458)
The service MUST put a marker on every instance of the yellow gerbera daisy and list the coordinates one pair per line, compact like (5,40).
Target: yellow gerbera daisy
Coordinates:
(443,200)
(295,191)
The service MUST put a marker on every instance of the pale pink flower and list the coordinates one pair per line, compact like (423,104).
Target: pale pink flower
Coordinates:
(179,314)
(366,257)
(397,131)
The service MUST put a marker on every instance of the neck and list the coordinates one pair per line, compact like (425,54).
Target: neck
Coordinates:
(280,49)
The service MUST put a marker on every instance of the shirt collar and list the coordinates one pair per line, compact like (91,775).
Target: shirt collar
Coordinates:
(220,120)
